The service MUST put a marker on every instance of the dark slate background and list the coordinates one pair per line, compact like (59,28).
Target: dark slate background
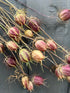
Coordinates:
(58,30)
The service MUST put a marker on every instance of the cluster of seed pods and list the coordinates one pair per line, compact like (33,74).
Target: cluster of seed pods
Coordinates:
(41,45)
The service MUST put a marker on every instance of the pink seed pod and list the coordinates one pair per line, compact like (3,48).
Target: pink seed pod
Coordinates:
(66,70)
(24,55)
(64,15)
(30,86)
(10,61)
(37,55)
(20,18)
(62,71)
(28,33)
(14,33)
(12,45)
(1,48)
(33,24)
(41,45)
(37,80)
(67,58)
(24,81)
(51,45)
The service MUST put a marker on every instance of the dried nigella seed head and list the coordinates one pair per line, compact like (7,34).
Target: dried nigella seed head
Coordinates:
(24,55)
(51,45)
(34,24)
(10,61)
(12,45)
(37,55)
(41,45)
(14,33)
(58,72)
(30,86)
(64,15)
(37,80)
(28,33)
(67,57)
(66,70)
(25,81)
(62,71)
(20,18)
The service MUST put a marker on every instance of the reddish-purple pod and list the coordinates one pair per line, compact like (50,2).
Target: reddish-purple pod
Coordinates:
(1,48)
(37,80)
(66,70)
(51,45)
(24,55)
(14,33)
(12,45)
(41,45)
(33,24)
(10,61)
(67,57)
(64,15)
(20,18)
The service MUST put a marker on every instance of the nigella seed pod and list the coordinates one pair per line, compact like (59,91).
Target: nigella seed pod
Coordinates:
(20,18)
(28,33)
(33,24)
(30,86)
(68,78)
(37,80)
(67,58)
(24,81)
(51,45)
(37,55)
(14,33)
(1,48)
(62,71)
(41,45)
(66,70)
(12,45)
(10,61)
(58,72)
(24,55)
(64,15)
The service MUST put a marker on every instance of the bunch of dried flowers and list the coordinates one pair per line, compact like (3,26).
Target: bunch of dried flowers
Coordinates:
(32,51)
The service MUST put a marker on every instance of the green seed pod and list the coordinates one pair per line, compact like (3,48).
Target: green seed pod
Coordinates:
(24,55)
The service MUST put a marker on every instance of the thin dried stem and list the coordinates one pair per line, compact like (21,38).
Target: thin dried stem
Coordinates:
(11,5)
(51,61)
(1,38)
(45,66)
(57,56)
(52,57)
(25,44)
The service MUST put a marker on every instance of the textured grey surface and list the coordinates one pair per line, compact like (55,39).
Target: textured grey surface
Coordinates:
(57,30)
